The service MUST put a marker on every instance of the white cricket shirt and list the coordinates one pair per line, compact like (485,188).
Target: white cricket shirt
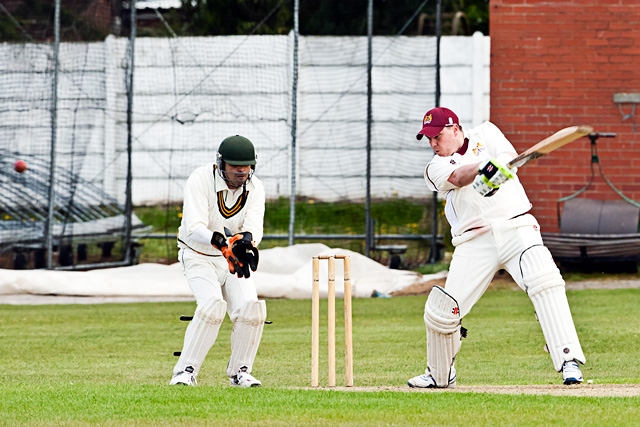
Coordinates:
(465,209)
(209,205)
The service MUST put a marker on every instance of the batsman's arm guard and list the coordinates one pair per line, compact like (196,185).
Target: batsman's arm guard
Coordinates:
(546,288)
(443,322)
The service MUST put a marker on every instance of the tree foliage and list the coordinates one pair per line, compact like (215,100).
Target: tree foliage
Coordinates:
(328,17)
(33,20)
(225,17)
(83,20)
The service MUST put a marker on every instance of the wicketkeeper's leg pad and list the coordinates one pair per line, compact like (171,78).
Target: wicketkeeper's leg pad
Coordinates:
(201,334)
(546,288)
(246,336)
(443,322)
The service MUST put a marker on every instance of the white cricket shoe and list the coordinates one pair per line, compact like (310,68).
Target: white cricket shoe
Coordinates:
(571,373)
(427,381)
(186,377)
(244,379)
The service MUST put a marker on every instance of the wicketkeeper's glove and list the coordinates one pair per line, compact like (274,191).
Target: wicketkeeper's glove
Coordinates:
(491,174)
(220,242)
(244,251)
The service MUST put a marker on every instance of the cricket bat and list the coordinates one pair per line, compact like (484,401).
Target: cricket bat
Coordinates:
(550,143)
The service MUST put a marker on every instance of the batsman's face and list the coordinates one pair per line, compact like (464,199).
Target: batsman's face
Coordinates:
(237,175)
(447,142)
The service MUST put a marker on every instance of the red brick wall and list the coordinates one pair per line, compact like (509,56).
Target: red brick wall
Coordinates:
(556,64)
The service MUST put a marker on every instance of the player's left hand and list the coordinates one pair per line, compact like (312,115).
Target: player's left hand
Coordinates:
(245,252)
(491,174)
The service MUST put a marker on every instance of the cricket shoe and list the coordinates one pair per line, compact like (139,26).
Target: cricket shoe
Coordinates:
(244,379)
(186,377)
(571,373)
(427,381)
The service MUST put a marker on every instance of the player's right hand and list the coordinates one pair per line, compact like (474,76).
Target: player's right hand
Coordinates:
(491,174)
(220,242)
(484,187)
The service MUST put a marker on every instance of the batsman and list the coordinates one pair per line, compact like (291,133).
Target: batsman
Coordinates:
(222,224)
(491,229)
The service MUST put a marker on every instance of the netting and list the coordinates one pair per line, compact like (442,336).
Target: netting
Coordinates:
(64,122)
(193,92)
(332,126)
(188,94)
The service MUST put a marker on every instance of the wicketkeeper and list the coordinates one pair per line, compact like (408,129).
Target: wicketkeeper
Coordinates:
(491,229)
(222,224)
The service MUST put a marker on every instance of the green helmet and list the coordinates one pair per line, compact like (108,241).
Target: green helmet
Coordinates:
(236,150)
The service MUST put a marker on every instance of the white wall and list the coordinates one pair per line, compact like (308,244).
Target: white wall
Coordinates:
(190,93)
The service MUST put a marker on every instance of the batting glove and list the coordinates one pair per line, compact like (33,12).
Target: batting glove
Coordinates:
(491,174)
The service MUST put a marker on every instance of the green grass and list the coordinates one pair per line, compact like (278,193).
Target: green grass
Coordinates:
(109,365)
(392,216)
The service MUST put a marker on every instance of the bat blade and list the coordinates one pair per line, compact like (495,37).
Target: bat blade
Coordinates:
(550,143)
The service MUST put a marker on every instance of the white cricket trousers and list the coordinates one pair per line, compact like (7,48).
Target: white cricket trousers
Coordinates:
(476,261)
(209,278)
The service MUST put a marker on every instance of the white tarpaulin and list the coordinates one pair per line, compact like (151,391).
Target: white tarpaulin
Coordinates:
(284,272)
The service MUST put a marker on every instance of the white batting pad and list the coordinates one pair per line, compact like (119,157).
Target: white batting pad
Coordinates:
(201,334)
(246,336)
(442,318)
(545,287)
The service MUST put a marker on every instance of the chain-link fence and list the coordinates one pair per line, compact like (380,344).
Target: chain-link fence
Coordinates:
(63,116)
(333,118)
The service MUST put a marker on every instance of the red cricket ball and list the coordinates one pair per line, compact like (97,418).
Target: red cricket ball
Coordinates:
(20,166)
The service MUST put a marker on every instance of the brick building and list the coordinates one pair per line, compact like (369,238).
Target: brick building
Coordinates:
(560,63)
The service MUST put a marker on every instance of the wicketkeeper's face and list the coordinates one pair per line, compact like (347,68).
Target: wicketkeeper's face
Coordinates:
(237,175)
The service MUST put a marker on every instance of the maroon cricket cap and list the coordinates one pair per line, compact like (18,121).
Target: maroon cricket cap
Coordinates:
(435,120)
